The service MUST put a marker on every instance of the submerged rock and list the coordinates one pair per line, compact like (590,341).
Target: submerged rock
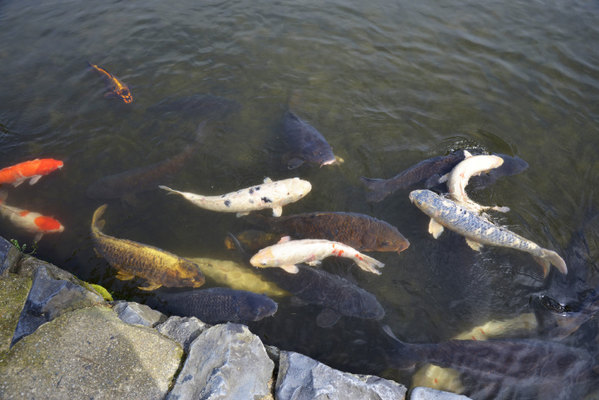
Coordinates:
(424,393)
(301,377)
(183,330)
(225,362)
(13,289)
(137,314)
(90,353)
(49,298)
(9,255)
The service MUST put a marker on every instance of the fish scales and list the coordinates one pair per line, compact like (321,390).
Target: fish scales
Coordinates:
(429,170)
(360,231)
(157,266)
(479,229)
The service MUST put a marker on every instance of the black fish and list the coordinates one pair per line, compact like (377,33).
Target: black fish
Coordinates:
(196,105)
(518,368)
(215,305)
(511,166)
(306,144)
(143,178)
(336,295)
(428,171)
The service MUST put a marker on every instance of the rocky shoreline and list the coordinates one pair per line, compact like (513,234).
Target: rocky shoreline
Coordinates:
(60,339)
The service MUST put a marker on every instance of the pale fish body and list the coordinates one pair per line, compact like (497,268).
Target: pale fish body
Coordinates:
(458,178)
(269,194)
(287,253)
(478,230)
(29,221)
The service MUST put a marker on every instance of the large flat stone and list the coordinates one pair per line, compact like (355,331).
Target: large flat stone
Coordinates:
(183,330)
(225,362)
(9,256)
(13,294)
(50,297)
(90,353)
(302,378)
(135,313)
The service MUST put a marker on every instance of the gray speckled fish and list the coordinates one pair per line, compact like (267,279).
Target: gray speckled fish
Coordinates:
(270,194)
(478,230)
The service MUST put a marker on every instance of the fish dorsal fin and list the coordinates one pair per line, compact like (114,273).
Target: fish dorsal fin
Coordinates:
(100,224)
(284,239)
(267,180)
(291,268)
(34,179)
(435,228)
(474,245)
(327,318)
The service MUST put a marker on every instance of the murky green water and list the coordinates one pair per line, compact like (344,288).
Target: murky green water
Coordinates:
(387,83)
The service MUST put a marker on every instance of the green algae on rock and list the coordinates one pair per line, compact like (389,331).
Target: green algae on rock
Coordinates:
(14,290)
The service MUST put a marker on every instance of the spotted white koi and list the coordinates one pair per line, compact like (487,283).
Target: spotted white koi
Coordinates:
(270,194)
(287,253)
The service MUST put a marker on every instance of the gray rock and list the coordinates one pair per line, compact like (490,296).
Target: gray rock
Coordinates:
(424,393)
(301,377)
(90,353)
(28,265)
(9,256)
(182,330)
(48,298)
(225,362)
(13,294)
(138,314)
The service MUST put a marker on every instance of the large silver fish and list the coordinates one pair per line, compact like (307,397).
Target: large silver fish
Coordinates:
(270,194)
(478,230)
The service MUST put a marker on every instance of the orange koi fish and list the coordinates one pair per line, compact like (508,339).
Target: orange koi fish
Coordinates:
(29,221)
(32,170)
(116,87)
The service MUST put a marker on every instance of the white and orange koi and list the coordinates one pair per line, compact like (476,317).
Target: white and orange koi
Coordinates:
(116,87)
(287,253)
(33,170)
(30,221)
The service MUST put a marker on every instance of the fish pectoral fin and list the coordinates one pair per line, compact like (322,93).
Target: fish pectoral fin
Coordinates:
(467,154)
(435,228)
(38,236)
(442,178)
(242,214)
(501,209)
(314,263)
(294,163)
(327,318)
(151,286)
(277,211)
(124,276)
(474,245)
(291,268)
(34,179)
(17,183)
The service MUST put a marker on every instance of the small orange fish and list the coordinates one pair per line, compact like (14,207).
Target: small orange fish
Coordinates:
(32,170)
(116,87)
(29,221)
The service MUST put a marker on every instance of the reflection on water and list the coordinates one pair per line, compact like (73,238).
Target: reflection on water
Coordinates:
(388,84)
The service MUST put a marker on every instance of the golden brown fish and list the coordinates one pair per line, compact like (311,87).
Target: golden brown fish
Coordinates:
(131,259)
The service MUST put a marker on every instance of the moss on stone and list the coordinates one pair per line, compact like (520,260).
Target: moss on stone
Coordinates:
(13,294)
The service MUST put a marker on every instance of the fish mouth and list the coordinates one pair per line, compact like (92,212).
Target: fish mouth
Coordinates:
(328,162)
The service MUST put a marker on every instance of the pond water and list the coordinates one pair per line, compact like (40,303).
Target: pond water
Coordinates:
(388,83)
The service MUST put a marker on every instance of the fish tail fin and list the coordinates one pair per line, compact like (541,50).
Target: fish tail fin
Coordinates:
(369,264)
(97,223)
(237,245)
(550,257)
(401,357)
(168,189)
(377,186)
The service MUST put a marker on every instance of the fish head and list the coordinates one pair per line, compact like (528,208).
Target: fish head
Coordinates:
(125,94)
(188,274)
(420,198)
(48,165)
(48,225)
(256,307)
(264,259)
(298,188)
(319,153)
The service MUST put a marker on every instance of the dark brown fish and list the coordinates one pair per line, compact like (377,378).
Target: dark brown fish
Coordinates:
(306,144)
(143,178)
(511,166)
(524,367)
(427,171)
(196,105)
(360,231)
(131,259)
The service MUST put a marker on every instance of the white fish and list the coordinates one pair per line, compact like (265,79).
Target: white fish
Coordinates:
(270,194)
(458,178)
(479,231)
(29,221)
(287,253)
